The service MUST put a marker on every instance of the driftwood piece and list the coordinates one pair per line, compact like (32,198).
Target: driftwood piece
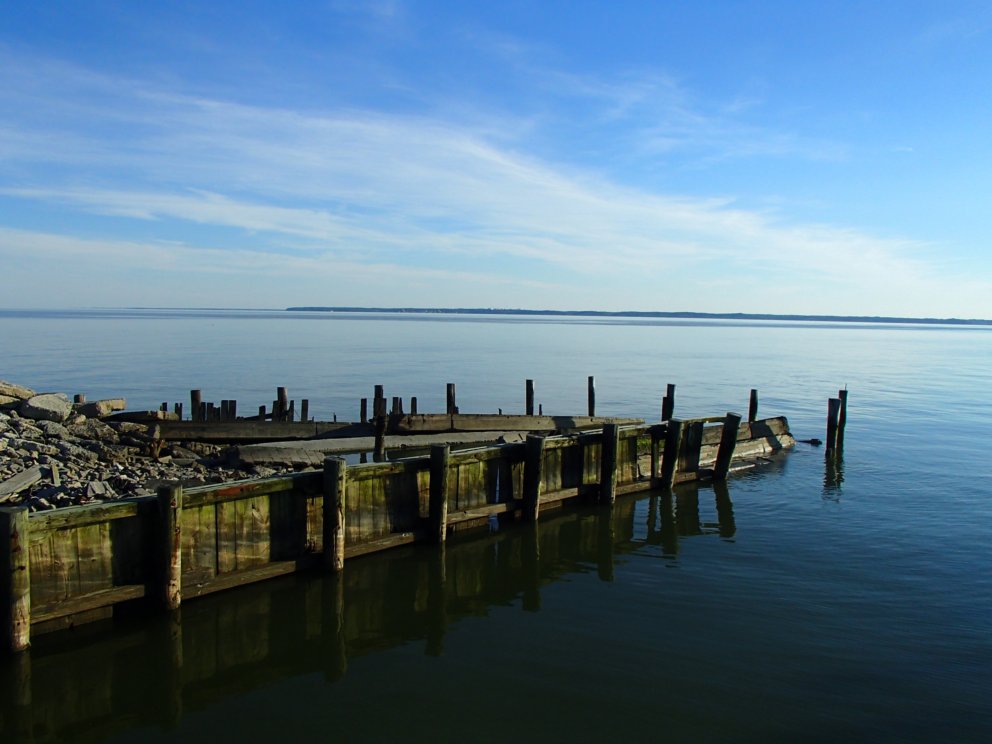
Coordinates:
(17,483)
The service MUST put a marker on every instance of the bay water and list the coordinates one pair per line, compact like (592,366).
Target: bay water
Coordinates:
(808,601)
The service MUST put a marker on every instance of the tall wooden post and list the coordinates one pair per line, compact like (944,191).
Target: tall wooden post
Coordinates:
(529,398)
(305,410)
(438,505)
(397,405)
(380,438)
(655,451)
(728,441)
(335,487)
(413,405)
(379,401)
(195,398)
(363,410)
(283,402)
(261,413)
(15,579)
(452,407)
(608,464)
(225,410)
(833,413)
(592,395)
(668,403)
(841,418)
(170,510)
(670,460)
(533,477)
(752,409)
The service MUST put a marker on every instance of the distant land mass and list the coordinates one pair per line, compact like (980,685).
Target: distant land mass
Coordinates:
(642,314)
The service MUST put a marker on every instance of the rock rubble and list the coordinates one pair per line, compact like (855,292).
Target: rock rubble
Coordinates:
(52,454)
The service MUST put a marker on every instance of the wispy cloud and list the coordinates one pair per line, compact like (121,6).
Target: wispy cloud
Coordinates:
(387,198)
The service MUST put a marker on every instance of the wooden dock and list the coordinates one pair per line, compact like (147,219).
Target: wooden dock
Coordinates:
(65,567)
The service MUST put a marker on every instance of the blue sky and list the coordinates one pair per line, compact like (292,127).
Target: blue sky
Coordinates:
(784,157)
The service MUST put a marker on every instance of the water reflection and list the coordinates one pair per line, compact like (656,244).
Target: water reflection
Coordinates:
(152,671)
(672,515)
(833,475)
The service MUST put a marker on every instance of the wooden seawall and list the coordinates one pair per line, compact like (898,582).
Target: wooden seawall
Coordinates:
(68,566)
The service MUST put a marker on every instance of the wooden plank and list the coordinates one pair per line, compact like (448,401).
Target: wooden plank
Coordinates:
(247,489)
(199,528)
(17,483)
(481,512)
(250,576)
(227,541)
(58,578)
(91,601)
(94,555)
(384,543)
(469,422)
(87,514)
(252,540)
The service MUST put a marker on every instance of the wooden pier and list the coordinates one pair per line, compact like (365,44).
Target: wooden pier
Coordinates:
(65,567)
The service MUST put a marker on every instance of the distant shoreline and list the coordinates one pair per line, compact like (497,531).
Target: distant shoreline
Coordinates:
(643,314)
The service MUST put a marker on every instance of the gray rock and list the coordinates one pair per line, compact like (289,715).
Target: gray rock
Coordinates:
(47,407)
(101,408)
(15,391)
(9,402)
(53,430)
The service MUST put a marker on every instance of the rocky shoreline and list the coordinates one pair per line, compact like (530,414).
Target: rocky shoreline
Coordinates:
(56,453)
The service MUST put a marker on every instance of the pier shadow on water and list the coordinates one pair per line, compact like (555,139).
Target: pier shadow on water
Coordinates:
(143,672)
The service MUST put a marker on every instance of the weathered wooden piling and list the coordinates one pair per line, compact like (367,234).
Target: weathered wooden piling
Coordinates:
(261,413)
(673,443)
(668,403)
(195,401)
(170,506)
(438,503)
(282,403)
(833,413)
(380,438)
(363,410)
(413,405)
(529,398)
(79,399)
(533,477)
(397,406)
(728,442)
(305,409)
(591,395)
(608,462)
(15,578)
(378,401)
(335,488)
(752,409)
(452,404)
(841,418)
(655,451)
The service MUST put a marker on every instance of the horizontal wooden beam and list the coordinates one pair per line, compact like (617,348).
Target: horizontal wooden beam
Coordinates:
(92,601)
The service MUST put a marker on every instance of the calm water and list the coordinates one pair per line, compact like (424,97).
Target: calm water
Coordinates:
(807,602)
